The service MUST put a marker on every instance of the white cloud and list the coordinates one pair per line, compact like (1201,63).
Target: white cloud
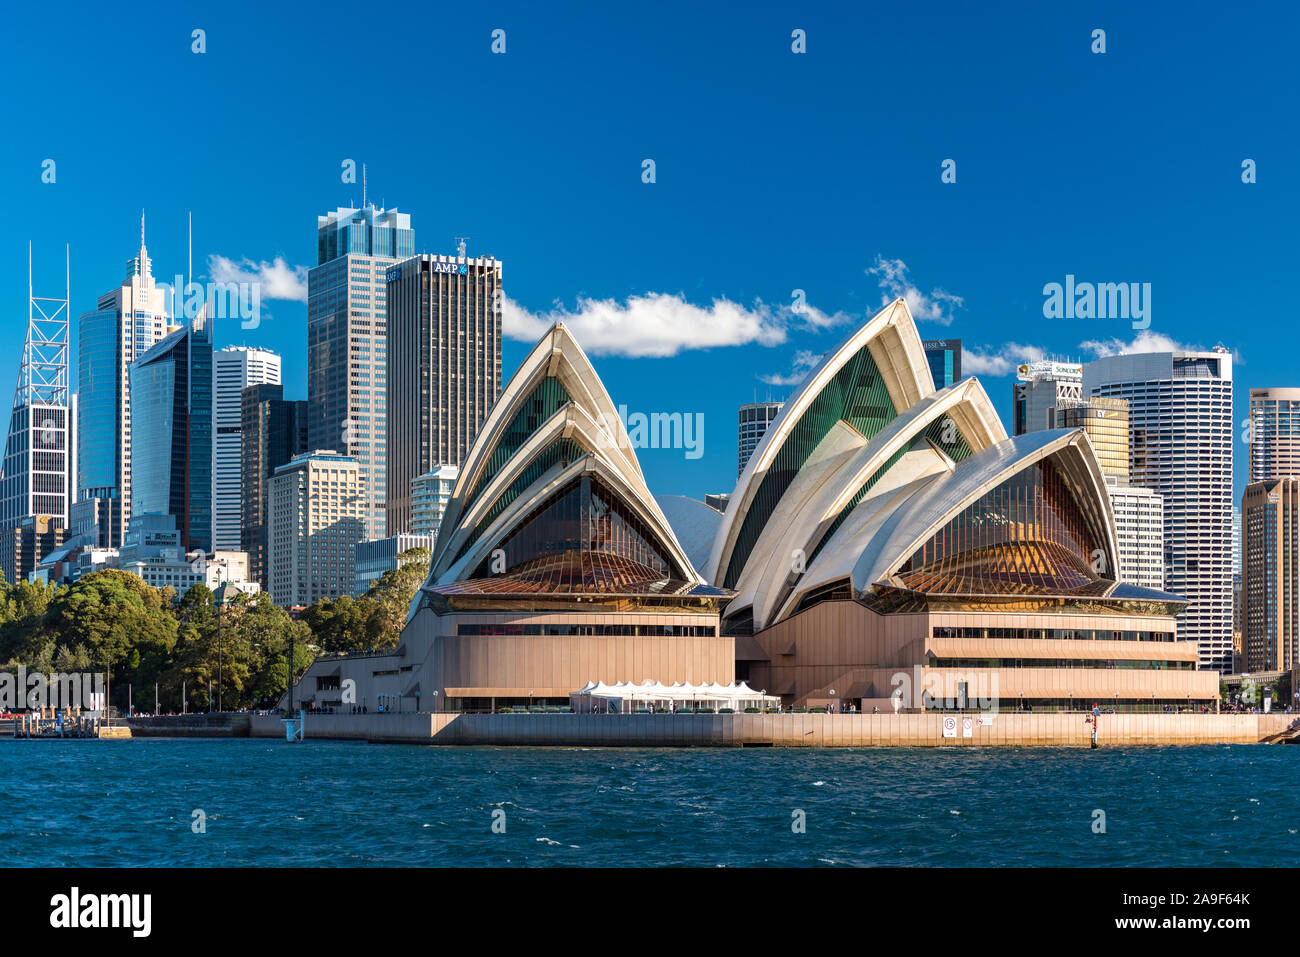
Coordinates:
(1144,341)
(938,306)
(804,362)
(278,279)
(659,325)
(814,318)
(998,362)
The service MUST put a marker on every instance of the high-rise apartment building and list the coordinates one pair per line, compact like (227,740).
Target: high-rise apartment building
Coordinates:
(316,505)
(347,341)
(754,419)
(1181,431)
(273,430)
(1042,387)
(127,323)
(944,357)
(1271,579)
(1273,434)
(234,369)
(430,494)
(444,367)
(171,432)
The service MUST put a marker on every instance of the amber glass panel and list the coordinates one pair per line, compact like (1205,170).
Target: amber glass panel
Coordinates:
(582,538)
(1026,535)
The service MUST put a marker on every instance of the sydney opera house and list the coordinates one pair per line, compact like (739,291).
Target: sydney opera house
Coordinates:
(887,545)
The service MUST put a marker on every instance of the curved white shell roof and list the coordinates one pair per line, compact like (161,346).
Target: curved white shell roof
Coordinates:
(934,503)
(588,419)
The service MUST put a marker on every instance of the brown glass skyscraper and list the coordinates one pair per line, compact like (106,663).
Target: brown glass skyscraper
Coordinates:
(1270,518)
(443,365)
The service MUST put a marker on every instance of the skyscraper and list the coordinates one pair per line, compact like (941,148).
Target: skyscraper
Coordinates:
(944,356)
(273,431)
(754,419)
(315,506)
(444,366)
(1271,582)
(171,432)
(1180,417)
(234,368)
(1106,422)
(1043,386)
(126,323)
(346,340)
(1273,438)
(37,469)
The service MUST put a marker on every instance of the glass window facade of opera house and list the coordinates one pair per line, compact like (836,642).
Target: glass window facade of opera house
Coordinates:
(887,545)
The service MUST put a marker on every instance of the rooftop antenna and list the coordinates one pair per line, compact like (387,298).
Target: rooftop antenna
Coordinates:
(363,185)
(460,245)
(189,242)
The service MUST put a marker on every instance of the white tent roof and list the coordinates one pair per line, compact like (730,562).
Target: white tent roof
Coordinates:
(657,691)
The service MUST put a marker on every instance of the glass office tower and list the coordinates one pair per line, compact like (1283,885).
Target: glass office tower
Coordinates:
(126,323)
(346,341)
(171,394)
(944,357)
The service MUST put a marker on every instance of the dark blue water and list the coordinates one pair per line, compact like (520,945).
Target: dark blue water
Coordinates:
(319,803)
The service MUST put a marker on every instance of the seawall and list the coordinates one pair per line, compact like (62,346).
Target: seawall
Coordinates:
(226,725)
(781,730)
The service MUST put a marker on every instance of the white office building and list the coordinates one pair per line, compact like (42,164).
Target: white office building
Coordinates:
(1139,533)
(1042,386)
(1181,429)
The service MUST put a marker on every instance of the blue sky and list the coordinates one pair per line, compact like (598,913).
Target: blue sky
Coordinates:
(775,171)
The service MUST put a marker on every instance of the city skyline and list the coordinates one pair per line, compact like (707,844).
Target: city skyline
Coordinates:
(847,225)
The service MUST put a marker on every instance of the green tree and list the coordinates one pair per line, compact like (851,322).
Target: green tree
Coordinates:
(340,624)
(124,624)
(392,595)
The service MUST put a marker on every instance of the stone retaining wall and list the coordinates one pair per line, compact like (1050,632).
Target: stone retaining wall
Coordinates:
(781,730)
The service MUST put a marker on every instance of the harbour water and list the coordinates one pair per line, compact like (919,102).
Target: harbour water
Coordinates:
(326,803)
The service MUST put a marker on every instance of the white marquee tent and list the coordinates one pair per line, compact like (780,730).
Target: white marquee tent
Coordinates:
(627,696)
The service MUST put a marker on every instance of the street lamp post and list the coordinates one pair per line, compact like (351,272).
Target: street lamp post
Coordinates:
(220,589)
